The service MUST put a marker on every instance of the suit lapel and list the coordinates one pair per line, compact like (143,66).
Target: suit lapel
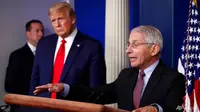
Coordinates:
(153,80)
(75,48)
(132,85)
(29,52)
(51,53)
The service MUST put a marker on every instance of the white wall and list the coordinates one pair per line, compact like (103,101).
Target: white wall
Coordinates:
(13,16)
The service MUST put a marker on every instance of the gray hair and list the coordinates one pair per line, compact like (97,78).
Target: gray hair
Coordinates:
(151,34)
(61,6)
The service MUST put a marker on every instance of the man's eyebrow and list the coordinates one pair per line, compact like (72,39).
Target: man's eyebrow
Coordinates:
(133,41)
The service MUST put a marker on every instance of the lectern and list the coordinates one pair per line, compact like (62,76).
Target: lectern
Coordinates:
(56,104)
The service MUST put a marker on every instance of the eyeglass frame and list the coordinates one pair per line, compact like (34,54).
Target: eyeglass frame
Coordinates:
(135,45)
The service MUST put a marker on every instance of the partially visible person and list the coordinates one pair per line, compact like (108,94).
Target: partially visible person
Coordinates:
(149,86)
(18,72)
(67,56)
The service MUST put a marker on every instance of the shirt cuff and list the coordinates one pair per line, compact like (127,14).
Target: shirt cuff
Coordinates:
(66,90)
(158,107)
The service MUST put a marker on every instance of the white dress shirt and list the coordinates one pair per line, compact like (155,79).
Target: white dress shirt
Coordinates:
(148,71)
(33,48)
(69,40)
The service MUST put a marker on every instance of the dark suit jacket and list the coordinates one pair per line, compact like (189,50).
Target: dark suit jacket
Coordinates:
(85,64)
(165,87)
(18,73)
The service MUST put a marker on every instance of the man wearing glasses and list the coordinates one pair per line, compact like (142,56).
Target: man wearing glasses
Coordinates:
(149,86)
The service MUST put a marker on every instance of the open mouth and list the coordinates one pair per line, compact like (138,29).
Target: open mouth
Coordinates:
(132,58)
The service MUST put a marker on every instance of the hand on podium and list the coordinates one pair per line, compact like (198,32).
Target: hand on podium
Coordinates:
(58,88)
(146,109)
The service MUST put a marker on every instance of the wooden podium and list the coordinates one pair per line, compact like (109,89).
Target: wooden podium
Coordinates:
(56,104)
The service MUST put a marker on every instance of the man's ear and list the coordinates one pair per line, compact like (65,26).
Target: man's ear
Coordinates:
(155,49)
(27,33)
(73,20)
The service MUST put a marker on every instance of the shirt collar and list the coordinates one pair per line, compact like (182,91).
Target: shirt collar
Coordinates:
(69,38)
(148,71)
(32,47)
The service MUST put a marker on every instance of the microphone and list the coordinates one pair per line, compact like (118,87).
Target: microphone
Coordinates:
(93,98)
(88,100)
(98,97)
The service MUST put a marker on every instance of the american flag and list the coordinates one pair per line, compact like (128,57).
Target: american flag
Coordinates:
(189,61)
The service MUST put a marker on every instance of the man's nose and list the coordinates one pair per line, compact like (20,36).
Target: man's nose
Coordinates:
(57,23)
(128,49)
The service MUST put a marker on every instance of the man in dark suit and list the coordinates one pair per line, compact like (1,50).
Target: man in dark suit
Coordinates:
(149,86)
(18,73)
(80,63)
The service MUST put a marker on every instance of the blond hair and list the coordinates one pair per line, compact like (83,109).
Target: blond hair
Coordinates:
(62,6)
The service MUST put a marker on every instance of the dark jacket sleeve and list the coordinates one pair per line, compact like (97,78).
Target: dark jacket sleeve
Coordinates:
(97,67)
(12,83)
(174,98)
(105,94)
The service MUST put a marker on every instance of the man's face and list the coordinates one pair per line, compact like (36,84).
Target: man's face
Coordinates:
(62,23)
(138,51)
(36,32)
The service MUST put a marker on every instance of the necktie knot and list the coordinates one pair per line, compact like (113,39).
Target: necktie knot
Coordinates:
(63,41)
(141,75)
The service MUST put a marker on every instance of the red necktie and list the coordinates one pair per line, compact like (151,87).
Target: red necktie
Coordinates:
(138,89)
(58,65)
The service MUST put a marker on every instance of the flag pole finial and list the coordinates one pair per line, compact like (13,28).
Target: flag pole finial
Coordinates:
(195,2)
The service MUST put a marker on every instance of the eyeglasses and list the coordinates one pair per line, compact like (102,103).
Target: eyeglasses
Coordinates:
(134,44)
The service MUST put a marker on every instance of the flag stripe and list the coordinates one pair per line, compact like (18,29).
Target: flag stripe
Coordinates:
(189,61)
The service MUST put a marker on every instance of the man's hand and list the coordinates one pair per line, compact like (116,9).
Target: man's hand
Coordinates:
(146,109)
(58,88)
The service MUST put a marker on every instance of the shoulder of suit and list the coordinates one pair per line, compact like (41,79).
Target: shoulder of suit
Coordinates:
(20,51)
(47,39)
(88,38)
(49,36)
(170,72)
(129,70)
(85,38)
(127,73)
